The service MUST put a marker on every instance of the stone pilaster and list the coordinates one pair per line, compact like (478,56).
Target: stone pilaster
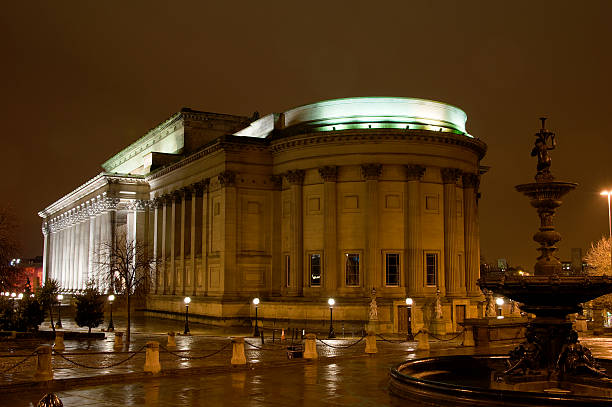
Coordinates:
(451,269)
(413,263)
(472,241)
(332,278)
(371,276)
(185,238)
(202,279)
(277,255)
(175,242)
(295,179)
(165,243)
(47,248)
(230,273)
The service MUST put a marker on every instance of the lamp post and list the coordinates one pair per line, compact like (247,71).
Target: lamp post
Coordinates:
(60,297)
(499,301)
(111,326)
(187,300)
(331,303)
(256,303)
(608,193)
(409,302)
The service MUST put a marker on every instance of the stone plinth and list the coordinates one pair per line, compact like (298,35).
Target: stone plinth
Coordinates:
(488,331)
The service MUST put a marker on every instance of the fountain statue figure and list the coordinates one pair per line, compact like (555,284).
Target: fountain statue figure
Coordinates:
(541,148)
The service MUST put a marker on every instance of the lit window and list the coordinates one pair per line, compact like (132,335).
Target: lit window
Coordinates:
(431,268)
(352,269)
(392,269)
(315,270)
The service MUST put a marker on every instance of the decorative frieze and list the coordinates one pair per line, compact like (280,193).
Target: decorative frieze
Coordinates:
(414,172)
(227,178)
(371,171)
(295,177)
(329,173)
(450,175)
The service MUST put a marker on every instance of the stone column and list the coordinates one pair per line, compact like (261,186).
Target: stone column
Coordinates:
(62,253)
(175,241)
(451,269)
(227,180)
(93,246)
(165,250)
(195,243)
(296,242)
(72,252)
(78,247)
(185,240)
(205,234)
(332,278)
(277,215)
(46,249)
(84,252)
(413,243)
(372,275)
(472,242)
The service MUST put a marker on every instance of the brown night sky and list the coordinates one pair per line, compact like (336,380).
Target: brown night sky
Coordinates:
(81,81)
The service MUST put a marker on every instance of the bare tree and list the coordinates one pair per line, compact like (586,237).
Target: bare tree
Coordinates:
(126,267)
(9,249)
(598,263)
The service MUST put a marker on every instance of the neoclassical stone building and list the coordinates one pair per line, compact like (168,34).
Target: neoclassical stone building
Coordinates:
(331,199)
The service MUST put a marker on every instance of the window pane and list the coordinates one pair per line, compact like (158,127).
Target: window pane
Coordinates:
(352,269)
(431,267)
(315,270)
(392,271)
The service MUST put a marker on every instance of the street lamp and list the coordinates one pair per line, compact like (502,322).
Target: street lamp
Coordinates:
(331,303)
(187,300)
(256,303)
(608,193)
(111,326)
(60,297)
(409,302)
(499,301)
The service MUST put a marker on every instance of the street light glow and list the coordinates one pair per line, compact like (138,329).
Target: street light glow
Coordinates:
(111,297)
(187,300)
(256,301)
(331,302)
(60,297)
(409,301)
(499,301)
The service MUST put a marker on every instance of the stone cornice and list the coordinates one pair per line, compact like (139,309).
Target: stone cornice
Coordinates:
(376,135)
(227,143)
(94,184)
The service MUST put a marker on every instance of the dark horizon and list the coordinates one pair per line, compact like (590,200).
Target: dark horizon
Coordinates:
(83,81)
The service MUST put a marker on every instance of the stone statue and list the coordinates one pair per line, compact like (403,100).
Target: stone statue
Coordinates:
(541,149)
(50,400)
(575,358)
(489,304)
(438,306)
(373,307)
(527,356)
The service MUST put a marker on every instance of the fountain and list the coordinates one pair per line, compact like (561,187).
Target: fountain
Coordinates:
(550,367)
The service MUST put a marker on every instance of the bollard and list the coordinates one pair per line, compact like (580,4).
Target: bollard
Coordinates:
(118,339)
(50,400)
(152,358)
(59,341)
(261,333)
(468,337)
(238,357)
(171,340)
(43,365)
(370,347)
(310,347)
(423,340)
(282,335)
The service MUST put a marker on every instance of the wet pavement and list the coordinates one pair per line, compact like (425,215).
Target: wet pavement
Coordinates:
(341,376)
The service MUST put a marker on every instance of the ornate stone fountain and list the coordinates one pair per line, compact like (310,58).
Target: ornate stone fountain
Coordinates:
(550,367)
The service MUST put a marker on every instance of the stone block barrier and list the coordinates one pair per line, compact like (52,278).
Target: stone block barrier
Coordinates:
(238,356)
(118,339)
(59,341)
(43,364)
(152,364)
(423,339)
(310,347)
(171,340)
(370,347)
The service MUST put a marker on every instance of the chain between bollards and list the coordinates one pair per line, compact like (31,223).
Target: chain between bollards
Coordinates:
(342,347)
(19,363)
(100,367)
(195,357)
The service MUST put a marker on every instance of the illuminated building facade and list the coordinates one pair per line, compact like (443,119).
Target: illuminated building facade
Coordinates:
(331,199)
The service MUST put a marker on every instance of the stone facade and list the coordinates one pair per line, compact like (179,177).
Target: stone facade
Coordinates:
(332,199)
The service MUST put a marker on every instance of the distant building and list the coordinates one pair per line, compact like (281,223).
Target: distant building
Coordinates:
(28,270)
(331,199)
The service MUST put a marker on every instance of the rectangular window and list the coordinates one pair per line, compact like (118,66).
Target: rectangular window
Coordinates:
(288,270)
(392,269)
(315,270)
(352,269)
(431,268)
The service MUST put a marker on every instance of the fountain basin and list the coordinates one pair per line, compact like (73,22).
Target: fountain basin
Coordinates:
(476,381)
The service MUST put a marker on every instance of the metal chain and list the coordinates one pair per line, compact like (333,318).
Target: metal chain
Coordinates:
(341,347)
(195,357)
(19,363)
(390,341)
(100,367)
(446,340)
(262,348)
